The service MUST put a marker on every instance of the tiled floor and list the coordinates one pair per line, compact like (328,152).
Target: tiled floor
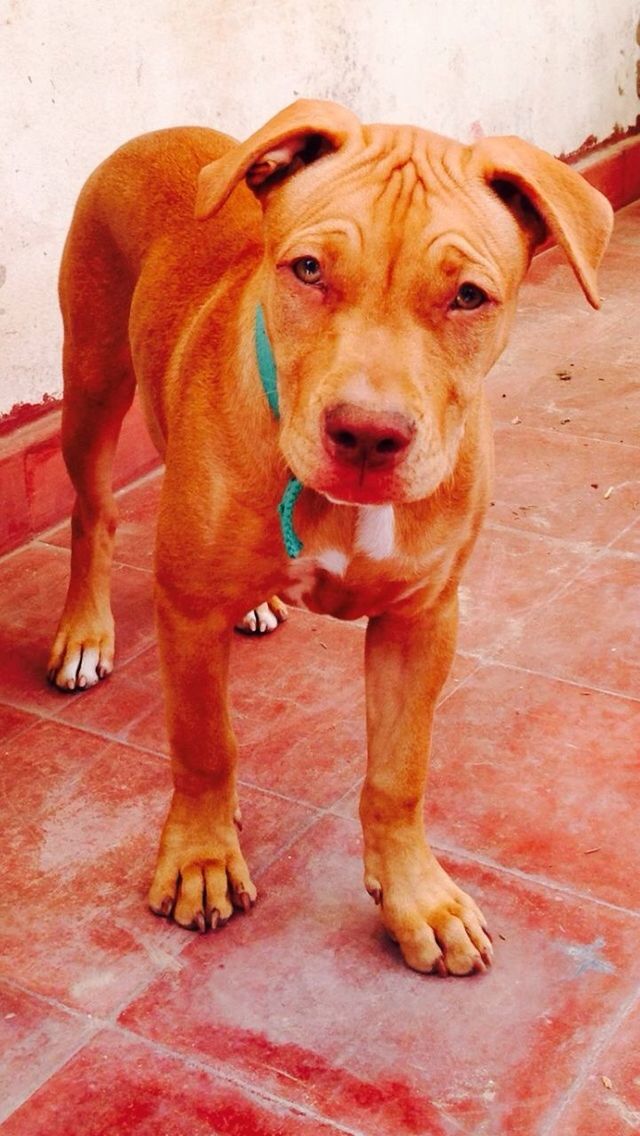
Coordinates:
(299,1018)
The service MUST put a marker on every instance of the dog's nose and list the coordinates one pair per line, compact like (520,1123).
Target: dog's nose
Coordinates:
(374,439)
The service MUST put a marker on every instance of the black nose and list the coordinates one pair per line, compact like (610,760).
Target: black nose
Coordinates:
(371,438)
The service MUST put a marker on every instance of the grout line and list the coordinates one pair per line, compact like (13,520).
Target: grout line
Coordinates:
(55,1068)
(89,1029)
(254,787)
(448,694)
(490,660)
(580,547)
(622,552)
(11,737)
(288,845)
(49,1001)
(232,1076)
(92,731)
(514,627)
(605,1036)
(94,1025)
(503,426)
(33,542)
(531,878)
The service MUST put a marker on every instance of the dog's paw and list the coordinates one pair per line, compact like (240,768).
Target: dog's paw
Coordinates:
(263,618)
(201,876)
(82,652)
(438,927)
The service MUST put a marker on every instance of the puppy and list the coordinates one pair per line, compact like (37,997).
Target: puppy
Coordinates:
(309,316)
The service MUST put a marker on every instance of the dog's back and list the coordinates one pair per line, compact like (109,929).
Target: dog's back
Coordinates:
(134,240)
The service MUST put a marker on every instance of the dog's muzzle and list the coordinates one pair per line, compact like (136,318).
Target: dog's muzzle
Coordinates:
(368,439)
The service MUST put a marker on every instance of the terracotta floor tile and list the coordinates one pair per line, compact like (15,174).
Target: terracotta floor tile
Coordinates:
(542,776)
(610,1098)
(82,818)
(627,228)
(577,489)
(117,1085)
(629,540)
(510,575)
(592,391)
(308,999)
(13,722)
(553,320)
(549,278)
(34,582)
(590,633)
(30,579)
(35,1039)
(116,706)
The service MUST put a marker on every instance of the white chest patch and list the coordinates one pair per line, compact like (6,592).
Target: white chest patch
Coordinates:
(333,561)
(376,531)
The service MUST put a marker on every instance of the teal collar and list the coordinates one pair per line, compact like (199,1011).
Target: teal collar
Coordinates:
(269,378)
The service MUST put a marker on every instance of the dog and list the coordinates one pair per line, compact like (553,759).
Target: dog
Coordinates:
(309,316)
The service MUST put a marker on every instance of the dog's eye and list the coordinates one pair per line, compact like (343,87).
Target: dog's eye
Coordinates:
(469,297)
(307,269)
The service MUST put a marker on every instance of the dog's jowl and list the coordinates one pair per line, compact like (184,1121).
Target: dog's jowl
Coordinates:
(310,316)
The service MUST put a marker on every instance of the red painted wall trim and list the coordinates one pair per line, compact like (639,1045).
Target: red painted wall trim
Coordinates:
(614,171)
(34,488)
(24,413)
(35,491)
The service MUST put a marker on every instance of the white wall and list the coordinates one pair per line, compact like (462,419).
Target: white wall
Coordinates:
(78,77)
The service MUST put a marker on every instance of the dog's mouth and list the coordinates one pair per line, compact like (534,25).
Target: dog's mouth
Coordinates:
(404,477)
(359,486)
(361,456)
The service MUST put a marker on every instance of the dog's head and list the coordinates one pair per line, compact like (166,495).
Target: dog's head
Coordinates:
(392,263)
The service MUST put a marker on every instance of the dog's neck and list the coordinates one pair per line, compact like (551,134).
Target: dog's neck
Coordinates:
(269,379)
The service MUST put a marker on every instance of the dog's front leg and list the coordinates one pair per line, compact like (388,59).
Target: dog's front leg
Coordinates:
(201,874)
(437,926)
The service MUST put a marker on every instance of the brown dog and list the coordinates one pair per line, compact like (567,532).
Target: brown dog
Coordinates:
(328,325)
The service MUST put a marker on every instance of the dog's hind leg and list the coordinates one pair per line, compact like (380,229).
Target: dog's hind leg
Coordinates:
(99,383)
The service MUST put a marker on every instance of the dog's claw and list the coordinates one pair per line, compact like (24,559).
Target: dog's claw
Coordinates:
(440,967)
(164,908)
(200,923)
(244,900)
(374,889)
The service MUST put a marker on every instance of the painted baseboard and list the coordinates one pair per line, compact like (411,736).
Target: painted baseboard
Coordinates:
(615,171)
(34,488)
(35,491)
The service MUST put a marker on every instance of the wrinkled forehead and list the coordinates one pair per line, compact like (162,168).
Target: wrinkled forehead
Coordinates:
(406,185)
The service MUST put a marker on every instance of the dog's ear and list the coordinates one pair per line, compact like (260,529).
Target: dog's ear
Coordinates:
(297,136)
(561,203)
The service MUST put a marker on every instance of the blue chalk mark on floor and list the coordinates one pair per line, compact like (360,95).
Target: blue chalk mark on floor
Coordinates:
(588,957)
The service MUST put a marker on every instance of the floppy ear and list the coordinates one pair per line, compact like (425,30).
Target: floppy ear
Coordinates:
(297,136)
(576,215)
